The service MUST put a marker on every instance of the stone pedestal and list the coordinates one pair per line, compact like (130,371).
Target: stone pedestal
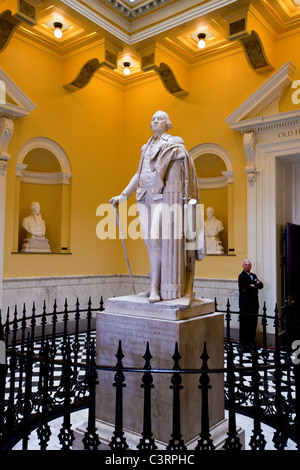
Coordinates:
(135,321)
(35,245)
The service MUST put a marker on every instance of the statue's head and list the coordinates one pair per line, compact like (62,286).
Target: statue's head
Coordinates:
(210,212)
(160,122)
(35,207)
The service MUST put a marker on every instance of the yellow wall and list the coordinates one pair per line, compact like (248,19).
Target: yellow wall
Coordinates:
(102,128)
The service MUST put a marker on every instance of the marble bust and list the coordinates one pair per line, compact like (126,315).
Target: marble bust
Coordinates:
(166,176)
(35,227)
(212,228)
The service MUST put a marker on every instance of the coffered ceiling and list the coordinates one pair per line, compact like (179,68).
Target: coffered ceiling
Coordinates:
(130,26)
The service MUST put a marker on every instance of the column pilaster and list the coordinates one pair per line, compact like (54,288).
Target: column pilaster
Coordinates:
(6,132)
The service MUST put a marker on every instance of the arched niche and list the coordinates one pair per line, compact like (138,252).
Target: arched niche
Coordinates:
(215,180)
(43,174)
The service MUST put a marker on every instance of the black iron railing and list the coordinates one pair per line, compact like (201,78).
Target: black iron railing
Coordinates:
(53,373)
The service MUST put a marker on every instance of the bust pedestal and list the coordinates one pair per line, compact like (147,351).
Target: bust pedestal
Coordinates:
(35,245)
(214,246)
(134,321)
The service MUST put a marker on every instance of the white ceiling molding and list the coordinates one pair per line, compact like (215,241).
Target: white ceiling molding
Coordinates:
(132,32)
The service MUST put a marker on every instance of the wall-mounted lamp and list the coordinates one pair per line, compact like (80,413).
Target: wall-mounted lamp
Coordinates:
(58,30)
(201,42)
(126,69)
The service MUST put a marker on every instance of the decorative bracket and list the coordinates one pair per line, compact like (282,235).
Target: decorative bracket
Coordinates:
(19,11)
(255,54)
(169,81)
(250,151)
(150,60)
(240,26)
(6,132)
(107,55)
(8,25)
(84,76)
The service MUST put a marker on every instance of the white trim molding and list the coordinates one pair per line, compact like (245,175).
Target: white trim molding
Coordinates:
(217,181)
(23,104)
(53,147)
(34,177)
(262,105)
(216,149)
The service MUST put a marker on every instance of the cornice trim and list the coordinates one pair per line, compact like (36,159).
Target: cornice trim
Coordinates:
(23,104)
(267,123)
(263,98)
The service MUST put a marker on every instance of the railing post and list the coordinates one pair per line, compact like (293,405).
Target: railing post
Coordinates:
(44,431)
(147,441)
(3,373)
(43,322)
(228,319)
(65,320)
(10,412)
(205,442)
(118,441)
(7,328)
(257,441)
(176,443)
(66,435)
(232,442)
(265,352)
(21,359)
(27,396)
(280,436)
(53,347)
(297,402)
(88,330)
(91,439)
(76,343)
(33,324)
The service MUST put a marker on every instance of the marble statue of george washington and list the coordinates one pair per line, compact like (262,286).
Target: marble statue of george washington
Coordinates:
(167,196)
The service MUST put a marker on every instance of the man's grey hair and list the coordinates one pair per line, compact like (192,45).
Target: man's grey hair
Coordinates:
(247,259)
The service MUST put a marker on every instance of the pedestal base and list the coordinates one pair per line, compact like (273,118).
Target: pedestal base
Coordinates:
(105,431)
(35,245)
(135,321)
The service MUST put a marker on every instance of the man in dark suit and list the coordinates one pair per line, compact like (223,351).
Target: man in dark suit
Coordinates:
(249,286)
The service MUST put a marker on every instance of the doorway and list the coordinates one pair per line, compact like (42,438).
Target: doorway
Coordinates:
(287,241)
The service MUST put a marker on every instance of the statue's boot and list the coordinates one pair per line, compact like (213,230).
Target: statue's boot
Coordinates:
(155,262)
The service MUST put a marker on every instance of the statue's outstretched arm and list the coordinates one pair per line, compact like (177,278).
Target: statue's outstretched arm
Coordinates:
(127,192)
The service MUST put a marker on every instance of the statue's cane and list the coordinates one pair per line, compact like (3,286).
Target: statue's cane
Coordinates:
(191,254)
(124,247)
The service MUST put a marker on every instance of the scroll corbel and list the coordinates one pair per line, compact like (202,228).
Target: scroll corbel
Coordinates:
(84,75)
(249,141)
(6,132)
(169,81)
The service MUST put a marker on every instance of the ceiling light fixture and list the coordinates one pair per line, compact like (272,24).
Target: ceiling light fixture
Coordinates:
(126,70)
(57,31)
(201,42)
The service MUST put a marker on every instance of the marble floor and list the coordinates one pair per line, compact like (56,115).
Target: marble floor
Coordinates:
(79,418)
